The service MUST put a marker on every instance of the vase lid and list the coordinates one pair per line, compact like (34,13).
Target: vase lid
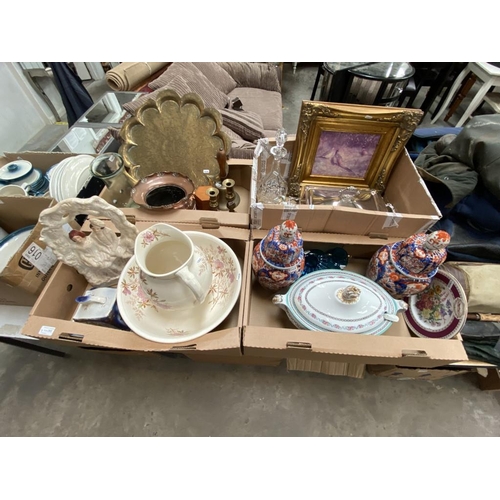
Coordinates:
(421,254)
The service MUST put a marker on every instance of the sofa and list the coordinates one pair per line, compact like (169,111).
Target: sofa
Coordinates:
(248,96)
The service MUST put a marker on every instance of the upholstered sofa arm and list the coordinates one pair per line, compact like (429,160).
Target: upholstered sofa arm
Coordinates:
(264,76)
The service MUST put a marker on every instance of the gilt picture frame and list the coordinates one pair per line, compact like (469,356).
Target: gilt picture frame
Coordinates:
(349,144)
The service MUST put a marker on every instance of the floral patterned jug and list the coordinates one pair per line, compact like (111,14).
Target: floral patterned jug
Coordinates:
(408,266)
(278,260)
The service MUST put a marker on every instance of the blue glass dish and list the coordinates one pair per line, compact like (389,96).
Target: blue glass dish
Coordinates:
(317,260)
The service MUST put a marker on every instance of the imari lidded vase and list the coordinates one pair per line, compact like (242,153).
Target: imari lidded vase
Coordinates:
(408,266)
(278,260)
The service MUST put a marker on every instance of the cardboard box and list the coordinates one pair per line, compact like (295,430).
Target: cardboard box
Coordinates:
(416,210)
(21,281)
(239,170)
(268,332)
(334,368)
(39,159)
(51,315)
(405,373)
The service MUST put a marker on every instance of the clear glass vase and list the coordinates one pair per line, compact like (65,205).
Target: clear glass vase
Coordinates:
(109,167)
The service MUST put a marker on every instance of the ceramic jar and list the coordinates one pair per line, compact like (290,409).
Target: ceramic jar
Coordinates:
(408,266)
(278,260)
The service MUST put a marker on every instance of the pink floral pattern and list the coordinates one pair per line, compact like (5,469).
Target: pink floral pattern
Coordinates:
(151,236)
(223,273)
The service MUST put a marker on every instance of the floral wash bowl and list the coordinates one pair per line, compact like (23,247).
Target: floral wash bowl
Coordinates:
(339,301)
(139,307)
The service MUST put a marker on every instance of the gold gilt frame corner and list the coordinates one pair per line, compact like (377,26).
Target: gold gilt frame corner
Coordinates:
(394,126)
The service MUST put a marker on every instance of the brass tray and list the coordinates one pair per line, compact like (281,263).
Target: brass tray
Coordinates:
(174,134)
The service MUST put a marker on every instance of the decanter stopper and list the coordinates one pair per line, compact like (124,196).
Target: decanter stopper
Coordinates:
(279,151)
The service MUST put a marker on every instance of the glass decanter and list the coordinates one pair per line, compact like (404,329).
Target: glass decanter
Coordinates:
(273,187)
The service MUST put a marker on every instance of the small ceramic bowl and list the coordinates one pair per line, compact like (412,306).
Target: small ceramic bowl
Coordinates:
(12,190)
(164,191)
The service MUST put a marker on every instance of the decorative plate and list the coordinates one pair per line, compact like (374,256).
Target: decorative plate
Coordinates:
(171,326)
(12,243)
(440,311)
(174,134)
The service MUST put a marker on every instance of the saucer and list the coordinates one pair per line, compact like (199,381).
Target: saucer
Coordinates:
(172,326)
(440,311)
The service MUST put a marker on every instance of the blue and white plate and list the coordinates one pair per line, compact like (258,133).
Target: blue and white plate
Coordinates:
(12,243)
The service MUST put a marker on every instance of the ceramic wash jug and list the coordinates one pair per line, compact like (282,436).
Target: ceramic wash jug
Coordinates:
(175,272)
(408,266)
(278,260)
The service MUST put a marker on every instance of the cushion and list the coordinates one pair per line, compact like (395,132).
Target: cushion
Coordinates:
(239,147)
(217,75)
(259,75)
(197,81)
(267,104)
(246,124)
(177,83)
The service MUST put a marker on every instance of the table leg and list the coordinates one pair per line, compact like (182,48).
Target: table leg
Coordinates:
(451,93)
(318,76)
(462,93)
(476,101)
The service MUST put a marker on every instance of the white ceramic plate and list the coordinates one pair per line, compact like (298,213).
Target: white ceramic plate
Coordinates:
(54,178)
(12,243)
(71,175)
(171,326)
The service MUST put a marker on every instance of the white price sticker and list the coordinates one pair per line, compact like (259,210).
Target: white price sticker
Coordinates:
(289,211)
(43,260)
(257,212)
(47,330)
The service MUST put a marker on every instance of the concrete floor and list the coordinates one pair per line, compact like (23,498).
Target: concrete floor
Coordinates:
(92,393)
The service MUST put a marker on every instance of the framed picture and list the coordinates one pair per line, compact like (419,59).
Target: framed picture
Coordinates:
(349,144)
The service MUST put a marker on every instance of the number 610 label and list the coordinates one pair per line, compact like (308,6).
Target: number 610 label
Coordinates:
(43,260)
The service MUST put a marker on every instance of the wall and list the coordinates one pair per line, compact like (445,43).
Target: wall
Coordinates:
(24,113)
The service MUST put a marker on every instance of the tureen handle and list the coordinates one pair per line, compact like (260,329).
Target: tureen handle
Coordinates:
(391,317)
(279,300)
(402,306)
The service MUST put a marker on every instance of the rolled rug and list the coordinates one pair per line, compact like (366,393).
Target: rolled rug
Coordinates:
(127,75)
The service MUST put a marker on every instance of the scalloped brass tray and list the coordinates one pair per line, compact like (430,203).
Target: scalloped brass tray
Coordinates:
(174,134)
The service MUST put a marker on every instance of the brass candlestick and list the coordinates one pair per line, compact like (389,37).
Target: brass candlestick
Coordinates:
(213,193)
(230,194)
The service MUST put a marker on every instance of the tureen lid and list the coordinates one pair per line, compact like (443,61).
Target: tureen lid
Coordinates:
(341,301)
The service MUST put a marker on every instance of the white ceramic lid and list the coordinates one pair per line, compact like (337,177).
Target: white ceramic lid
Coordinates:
(15,170)
(341,301)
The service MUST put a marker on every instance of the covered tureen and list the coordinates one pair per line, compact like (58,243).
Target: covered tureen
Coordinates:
(340,301)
